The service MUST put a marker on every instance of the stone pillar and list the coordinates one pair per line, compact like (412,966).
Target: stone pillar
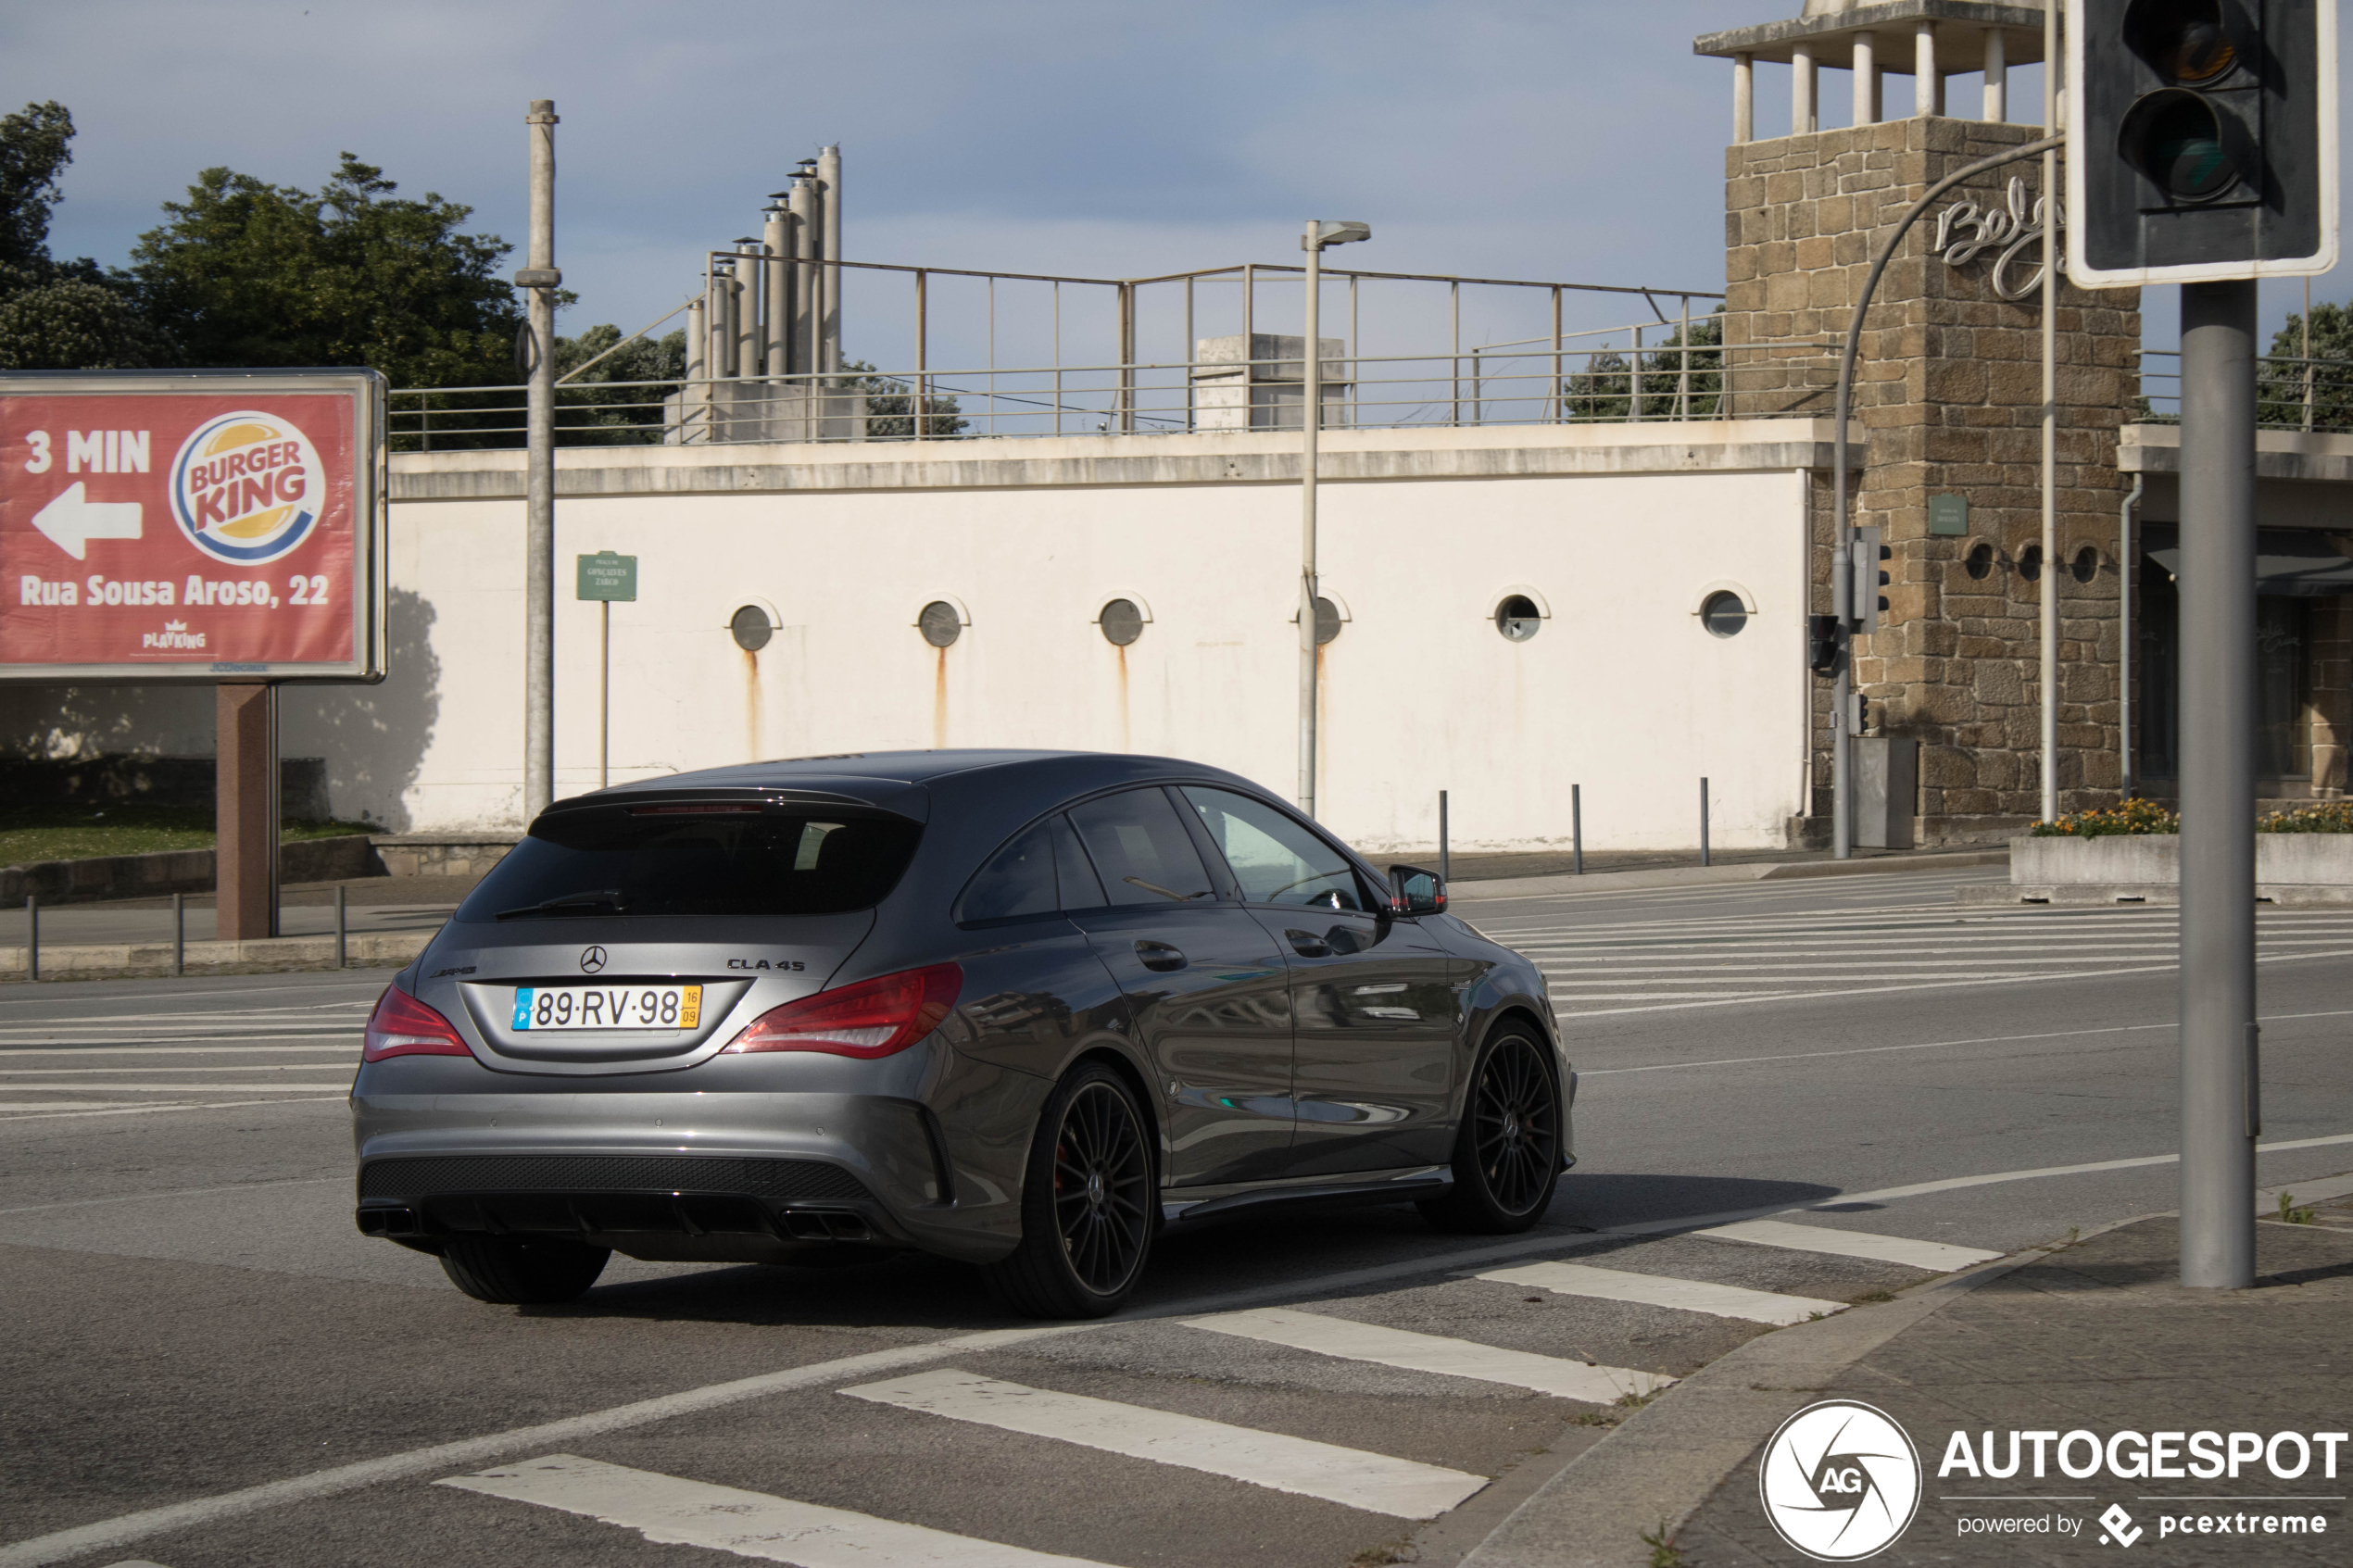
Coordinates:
(1743,98)
(1949,389)
(1997,77)
(2332,694)
(1928,83)
(1865,79)
(1804,76)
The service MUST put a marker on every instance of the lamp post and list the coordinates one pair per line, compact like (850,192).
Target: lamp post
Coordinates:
(1319,234)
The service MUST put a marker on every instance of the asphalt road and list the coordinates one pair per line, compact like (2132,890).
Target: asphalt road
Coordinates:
(192,1317)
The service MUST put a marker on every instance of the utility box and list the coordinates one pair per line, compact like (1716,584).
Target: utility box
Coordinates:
(1887,789)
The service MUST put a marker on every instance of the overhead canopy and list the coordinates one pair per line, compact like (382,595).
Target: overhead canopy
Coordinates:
(2296,561)
(1829,33)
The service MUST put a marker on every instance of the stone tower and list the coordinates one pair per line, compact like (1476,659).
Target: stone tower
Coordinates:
(1947,396)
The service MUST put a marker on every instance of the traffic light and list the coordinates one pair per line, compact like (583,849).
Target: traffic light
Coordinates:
(2201,140)
(1821,644)
(1865,554)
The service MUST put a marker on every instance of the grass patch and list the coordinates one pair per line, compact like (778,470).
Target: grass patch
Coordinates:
(2292,1212)
(126,827)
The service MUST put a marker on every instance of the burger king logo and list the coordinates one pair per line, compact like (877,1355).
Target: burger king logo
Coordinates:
(247,487)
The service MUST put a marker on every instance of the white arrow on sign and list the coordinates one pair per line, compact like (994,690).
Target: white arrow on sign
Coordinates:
(71,522)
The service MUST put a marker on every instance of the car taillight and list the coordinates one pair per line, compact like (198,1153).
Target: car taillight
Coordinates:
(869,1018)
(401,1025)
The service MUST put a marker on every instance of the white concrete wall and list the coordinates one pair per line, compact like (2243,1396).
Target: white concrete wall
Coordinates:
(1623,692)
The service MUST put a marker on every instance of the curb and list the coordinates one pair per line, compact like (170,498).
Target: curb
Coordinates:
(2286,894)
(119,960)
(1680,876)
(1670,1456)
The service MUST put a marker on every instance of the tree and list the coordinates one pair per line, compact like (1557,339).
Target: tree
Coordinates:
(609,414)
(2280,392)
(250,273)
(890,406)
(57,316)
(1602,391)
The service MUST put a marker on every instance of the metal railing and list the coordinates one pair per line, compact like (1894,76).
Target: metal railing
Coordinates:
(2290,393)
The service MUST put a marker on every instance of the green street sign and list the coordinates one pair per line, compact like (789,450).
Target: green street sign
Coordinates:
(607,576)
(1948,514)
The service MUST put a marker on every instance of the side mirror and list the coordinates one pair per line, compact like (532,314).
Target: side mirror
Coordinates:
(1420,891)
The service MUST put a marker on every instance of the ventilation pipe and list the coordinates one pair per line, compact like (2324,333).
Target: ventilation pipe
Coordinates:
(776,241)
(802,202)
(696,393)
(746,292)
(829,195)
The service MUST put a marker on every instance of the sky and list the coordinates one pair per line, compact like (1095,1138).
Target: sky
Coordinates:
(1555,140)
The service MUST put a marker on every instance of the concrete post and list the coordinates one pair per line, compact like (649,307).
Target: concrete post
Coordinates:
(539,437)
(246,812)
(1743,97)
(1997,77)
(1865,79)
(829,193)
(2221,1108)
(1803,76)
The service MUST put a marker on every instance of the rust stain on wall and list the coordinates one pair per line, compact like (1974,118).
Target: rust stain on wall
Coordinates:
(1125,744)
(939,702)
(751,705)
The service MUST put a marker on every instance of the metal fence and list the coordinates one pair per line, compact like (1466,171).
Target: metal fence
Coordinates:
(2290,393)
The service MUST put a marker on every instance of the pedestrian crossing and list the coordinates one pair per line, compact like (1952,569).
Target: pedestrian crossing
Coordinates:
(1721,958)
(1010,1395)
(180,1059)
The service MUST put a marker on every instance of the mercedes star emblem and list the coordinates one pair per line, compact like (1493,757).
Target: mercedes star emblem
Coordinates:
(591,959)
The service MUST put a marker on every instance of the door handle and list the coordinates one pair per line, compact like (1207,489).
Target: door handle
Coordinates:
(1159,955)
(1307,945)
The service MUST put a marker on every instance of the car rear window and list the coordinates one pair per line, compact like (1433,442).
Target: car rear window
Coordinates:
(674,860)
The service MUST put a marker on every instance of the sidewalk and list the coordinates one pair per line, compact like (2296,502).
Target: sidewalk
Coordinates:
(2093,1336)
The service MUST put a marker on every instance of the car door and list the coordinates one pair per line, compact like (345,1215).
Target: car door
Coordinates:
(1373,1001)
(1205,983)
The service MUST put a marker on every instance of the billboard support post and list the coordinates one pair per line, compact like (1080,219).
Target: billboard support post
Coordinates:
(246,812)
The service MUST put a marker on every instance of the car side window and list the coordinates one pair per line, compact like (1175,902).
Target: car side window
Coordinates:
(1081,888)
(1017,881)
(1274,858)
(1139,845)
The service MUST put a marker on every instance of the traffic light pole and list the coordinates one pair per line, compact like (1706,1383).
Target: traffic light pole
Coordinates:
(1842,606)
(2222,1109)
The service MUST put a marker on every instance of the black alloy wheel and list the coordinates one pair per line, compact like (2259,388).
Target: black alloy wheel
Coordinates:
(1507,1152)
(1088,1205)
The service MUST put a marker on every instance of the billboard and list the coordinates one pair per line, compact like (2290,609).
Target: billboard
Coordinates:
(191,525)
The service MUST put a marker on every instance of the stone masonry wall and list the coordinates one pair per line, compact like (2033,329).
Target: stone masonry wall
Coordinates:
(1949,388)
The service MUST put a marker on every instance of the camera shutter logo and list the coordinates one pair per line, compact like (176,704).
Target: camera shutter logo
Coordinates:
(247,488)
(591,959)
(1840,1481)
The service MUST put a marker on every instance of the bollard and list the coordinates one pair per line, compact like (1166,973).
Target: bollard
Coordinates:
(179,933)
(1577,829)
(1445,863)
(32,937)
(339,926)
(1703,819)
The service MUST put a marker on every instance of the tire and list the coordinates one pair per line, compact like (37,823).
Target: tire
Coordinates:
(1507,1151)
(516,1270)
(1088,1203)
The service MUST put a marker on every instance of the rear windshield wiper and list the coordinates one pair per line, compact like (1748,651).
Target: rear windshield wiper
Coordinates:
(583,903)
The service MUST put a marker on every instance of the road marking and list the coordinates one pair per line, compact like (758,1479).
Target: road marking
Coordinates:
(670,1511)
(169,1089)
(54,1104)
(1375,1483)
(1939,1257)
(175,1104)
(1658,1290)
(1354,1341)
(126,1528)
(177,1192)
(342,1048)
(62,1544)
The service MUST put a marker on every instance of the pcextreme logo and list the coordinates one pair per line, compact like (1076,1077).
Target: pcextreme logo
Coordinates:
(247,487)
(1840,1481)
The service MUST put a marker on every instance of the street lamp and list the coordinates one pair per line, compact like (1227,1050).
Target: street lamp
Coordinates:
(1319,234)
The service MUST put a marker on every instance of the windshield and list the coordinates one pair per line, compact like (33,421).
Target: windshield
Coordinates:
(688,860)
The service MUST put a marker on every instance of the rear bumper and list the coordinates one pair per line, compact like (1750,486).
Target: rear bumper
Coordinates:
(700,1207)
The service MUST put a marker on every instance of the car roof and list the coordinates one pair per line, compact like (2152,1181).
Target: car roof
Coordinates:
(881,777)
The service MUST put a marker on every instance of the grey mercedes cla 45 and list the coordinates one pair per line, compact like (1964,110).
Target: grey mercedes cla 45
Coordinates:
(1020,1009)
